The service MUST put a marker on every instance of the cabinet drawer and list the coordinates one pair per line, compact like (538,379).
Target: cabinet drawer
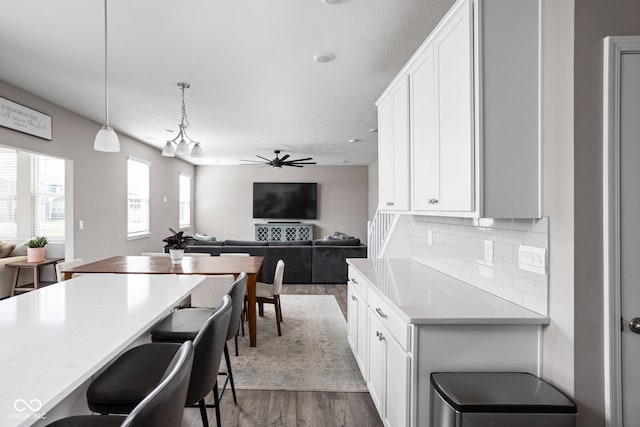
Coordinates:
(396,326)
(358,282)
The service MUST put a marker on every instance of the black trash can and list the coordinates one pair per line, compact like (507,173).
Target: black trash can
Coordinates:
(498,399)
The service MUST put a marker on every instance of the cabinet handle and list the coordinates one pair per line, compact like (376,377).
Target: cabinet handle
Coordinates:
(353,297)
(354,281)
(389,203)
(380,336)
(381,313)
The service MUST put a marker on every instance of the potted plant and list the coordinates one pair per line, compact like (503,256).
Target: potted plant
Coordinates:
(176,244)
(35,249)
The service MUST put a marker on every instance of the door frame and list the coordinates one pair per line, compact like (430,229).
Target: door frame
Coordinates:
(614,48)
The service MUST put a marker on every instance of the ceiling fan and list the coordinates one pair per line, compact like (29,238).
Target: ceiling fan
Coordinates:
(279,162)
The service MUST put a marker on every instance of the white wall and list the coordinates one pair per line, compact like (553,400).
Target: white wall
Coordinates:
(373,189)
(558,341)
(224,198)
(99,181)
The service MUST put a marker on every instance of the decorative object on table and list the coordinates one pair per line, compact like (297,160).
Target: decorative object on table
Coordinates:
(24,119)
(106,139)
(176,244)
(35,249)
(182,140)
(278,162)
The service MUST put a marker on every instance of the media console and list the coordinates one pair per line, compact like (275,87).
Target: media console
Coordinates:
(283,231)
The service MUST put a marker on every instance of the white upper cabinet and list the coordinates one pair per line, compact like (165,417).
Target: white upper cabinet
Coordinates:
(393,147)
(441,113)
(474,113)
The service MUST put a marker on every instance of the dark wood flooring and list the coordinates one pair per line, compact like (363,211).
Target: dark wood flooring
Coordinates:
(294,408)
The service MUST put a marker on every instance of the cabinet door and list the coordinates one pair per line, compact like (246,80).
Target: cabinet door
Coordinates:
(377,363)
(393,147)
(425,157)
(453,50)
(397,383)
(442,142)
(357,316)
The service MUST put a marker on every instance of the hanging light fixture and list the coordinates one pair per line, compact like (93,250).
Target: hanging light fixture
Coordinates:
(182,140)
(106,139)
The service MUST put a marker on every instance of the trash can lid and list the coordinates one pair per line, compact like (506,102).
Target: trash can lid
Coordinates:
(501,392)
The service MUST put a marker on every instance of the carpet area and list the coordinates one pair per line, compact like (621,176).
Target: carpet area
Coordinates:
(311,355)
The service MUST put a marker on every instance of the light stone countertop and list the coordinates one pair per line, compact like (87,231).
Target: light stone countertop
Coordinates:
(57,337)
(422,295)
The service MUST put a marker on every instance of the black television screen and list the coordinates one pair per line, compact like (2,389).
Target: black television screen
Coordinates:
(285,200)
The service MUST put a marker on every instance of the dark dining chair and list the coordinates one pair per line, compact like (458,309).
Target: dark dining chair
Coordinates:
(163,406)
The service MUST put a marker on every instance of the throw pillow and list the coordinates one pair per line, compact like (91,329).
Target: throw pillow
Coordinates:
(6,249)
(204,237)
(20,249)
(338,235)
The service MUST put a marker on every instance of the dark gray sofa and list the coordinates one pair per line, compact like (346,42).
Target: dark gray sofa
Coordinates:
(305,261)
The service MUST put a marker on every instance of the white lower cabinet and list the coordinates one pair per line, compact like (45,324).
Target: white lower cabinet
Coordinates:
(357,315)
(389,370)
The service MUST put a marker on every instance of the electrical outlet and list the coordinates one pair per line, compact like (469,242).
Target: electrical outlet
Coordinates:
(429,237)
(488,250)
(532,259)
(81,225)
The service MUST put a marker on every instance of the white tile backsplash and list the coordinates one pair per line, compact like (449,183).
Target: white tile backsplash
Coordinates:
(457,249)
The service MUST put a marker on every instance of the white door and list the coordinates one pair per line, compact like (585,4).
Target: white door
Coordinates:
(622,239)
(630,234)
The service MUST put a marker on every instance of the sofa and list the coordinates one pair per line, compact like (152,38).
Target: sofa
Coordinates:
(306,261)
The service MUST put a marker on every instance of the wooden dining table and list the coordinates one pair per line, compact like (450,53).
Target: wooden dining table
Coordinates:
(214,265)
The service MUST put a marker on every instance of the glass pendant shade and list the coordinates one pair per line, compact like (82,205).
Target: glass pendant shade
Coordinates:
(168,150)
(182,149)
(196,152)
(106,140)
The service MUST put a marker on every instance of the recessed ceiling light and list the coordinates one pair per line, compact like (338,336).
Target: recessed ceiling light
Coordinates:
(354,140)
(322,57)
(332,1)
(373,130)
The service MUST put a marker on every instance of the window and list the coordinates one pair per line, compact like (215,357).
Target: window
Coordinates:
(32,196)
(137,198)
(48,197)
(185,201)
(8,193)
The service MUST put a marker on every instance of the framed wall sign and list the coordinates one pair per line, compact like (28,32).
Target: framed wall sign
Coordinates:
(24,119)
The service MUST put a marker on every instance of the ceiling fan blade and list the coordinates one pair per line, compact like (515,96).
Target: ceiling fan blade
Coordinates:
(263,158)
(302,160)
(295,166)
(285,157)
(301,163)
(252,161)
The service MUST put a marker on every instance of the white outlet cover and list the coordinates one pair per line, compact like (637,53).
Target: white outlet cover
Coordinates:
(532,259)
(488,250)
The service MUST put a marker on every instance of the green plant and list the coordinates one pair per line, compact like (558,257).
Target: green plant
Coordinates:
(177,240)
(37,242)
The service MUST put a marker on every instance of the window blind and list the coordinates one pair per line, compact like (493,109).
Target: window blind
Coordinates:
(48,197)
(8,193)
(137,198)
(185,200)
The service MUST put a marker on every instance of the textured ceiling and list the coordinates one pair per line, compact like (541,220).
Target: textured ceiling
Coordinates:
(254,84)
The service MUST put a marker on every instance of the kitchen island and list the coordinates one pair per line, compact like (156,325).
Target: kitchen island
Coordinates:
(56,338)
(407,320)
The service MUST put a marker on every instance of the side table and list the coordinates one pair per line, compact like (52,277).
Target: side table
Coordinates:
(36,274)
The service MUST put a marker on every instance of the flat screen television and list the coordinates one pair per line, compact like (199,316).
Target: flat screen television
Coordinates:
(285,200)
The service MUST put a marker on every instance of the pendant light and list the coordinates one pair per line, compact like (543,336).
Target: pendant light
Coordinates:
(106,139)
(182,140)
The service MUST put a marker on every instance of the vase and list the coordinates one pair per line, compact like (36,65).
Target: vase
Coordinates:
(176,255)
(35,254)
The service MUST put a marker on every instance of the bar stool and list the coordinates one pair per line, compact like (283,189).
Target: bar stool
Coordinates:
(125,383)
